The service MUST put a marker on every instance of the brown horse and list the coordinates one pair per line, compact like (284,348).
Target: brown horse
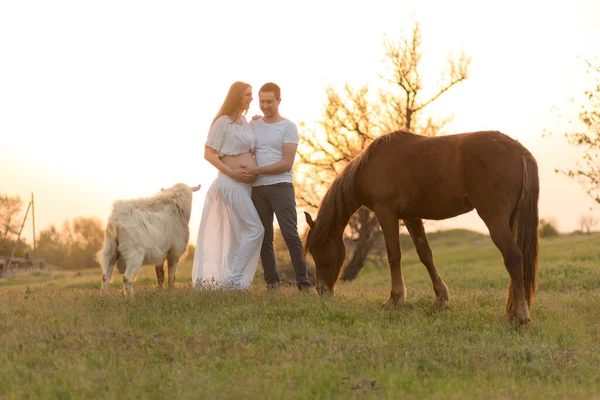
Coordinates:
(411,177)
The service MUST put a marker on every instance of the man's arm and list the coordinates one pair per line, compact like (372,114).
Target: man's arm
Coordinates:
(284,165)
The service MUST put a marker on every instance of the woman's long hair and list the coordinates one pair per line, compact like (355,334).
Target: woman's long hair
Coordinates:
(233,102)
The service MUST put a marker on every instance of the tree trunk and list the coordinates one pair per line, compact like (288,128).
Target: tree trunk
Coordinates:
(366,238)
(357,261)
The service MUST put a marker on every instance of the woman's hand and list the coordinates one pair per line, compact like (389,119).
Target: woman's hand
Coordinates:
(250,173)
(249,177)
(237,174)
(249,169)
(241,175)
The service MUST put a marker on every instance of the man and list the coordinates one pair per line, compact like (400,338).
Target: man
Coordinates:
(273,191)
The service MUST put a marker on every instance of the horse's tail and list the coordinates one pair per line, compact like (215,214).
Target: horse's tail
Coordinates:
(524,225)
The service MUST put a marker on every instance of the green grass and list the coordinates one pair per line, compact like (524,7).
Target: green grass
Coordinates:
(61,340)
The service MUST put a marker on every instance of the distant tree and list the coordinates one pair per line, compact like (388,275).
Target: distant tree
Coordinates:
(587,170)
(10,221)
(548,227)
(75,245)
(351,121)
(189,255)
(53,247)
(87,240)
(587,223)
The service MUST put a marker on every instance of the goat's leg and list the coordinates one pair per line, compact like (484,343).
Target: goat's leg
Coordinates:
(160,274)
(173,261)
(133,264)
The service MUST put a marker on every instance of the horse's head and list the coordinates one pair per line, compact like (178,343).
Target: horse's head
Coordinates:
(328,253)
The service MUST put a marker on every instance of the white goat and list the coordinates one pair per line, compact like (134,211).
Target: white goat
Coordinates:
(147,231)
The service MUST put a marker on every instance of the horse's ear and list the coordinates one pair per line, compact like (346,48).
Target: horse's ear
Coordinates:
(195,188)
(309,220)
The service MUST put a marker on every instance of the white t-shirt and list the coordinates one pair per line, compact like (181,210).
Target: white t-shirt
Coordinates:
(270,139)
(229,138)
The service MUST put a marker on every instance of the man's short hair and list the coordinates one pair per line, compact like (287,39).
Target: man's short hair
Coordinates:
(271,87)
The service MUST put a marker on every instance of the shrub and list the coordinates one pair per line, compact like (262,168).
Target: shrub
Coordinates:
(548,228)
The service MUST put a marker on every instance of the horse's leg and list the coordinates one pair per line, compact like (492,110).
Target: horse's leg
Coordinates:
(160,274)
(517,309)
(389,225)
(417,233)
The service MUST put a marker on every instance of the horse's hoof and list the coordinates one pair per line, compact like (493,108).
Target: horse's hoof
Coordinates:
(442,304)
(519,319)
(393,302)
(442,297)
(518,322)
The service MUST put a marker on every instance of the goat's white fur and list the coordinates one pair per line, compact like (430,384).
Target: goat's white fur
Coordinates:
(147,231)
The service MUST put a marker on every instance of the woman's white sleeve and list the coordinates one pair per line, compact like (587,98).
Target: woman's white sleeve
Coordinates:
(216,134)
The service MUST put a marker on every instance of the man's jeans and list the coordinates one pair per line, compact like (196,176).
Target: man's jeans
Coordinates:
(279,199)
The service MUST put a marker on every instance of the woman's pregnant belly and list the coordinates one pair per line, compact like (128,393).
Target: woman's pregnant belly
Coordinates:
(235,162)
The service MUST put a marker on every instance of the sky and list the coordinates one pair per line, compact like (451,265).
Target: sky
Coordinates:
(110,100)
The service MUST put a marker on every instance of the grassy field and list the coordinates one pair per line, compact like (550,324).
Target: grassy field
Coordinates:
(61,340)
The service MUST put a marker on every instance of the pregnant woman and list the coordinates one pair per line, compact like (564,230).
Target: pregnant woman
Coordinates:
(230,233)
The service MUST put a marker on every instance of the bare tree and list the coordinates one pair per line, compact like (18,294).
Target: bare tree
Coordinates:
(587,170)
(403,100)
(11,219)
(352,120)
(10,210)
(587,223)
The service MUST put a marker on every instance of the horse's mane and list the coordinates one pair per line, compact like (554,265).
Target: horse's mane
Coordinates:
(339,202)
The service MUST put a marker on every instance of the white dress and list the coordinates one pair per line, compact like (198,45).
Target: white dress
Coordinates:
(231,233)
